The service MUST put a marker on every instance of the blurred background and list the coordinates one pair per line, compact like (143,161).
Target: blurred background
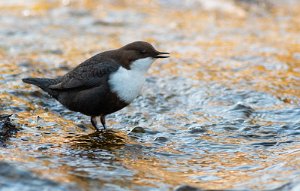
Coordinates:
(221,113)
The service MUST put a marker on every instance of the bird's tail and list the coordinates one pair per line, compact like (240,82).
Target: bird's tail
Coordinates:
(42,83)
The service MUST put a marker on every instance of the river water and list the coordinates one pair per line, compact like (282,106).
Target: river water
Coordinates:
(221,113)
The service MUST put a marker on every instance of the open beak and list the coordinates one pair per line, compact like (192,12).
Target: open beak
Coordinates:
(162,55)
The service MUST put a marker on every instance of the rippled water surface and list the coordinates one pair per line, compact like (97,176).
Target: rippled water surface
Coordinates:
(222,113)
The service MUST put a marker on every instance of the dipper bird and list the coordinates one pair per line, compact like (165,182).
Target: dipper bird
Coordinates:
(104,83)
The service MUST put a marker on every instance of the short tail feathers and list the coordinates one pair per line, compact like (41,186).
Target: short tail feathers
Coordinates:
(42,83)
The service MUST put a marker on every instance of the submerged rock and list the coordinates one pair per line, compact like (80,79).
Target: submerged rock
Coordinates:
(192,188)
(138,130)
(161,139)
(7,129)
(187,188)
(198,129)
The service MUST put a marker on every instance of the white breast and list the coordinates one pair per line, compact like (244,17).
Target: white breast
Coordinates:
(127,84)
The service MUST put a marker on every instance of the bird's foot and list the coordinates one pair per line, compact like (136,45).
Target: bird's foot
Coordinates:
(94,122)
(102,119)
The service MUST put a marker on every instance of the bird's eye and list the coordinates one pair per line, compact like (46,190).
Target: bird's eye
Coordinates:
(143,51)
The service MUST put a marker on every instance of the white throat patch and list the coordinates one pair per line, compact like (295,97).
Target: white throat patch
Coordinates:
(127,84)
(142,64)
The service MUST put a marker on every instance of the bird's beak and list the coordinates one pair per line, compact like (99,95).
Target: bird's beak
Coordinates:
(162,55)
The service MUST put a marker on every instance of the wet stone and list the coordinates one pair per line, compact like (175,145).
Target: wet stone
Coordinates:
(284,127)
(266,144)
(7,128)
(25,138)
(187,188)
(44,147)
(161,139)
(230,128)
(197,129)
(246,129)
(138,130)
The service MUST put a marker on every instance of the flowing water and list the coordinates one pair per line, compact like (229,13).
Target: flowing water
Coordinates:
(222,113)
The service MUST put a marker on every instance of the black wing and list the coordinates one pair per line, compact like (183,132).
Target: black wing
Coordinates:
(89,74)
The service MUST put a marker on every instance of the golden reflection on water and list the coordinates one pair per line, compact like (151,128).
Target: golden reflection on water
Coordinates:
(152,170)
(201,62)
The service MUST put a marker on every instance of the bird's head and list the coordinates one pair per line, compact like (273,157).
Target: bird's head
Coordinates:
(140,55)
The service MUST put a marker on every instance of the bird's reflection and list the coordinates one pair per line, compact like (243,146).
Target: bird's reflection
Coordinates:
(105,139)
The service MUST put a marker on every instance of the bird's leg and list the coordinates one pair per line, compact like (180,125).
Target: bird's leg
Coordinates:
(94,122)
(102,118)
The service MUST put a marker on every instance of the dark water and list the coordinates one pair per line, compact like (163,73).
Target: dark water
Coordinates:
(222,113)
